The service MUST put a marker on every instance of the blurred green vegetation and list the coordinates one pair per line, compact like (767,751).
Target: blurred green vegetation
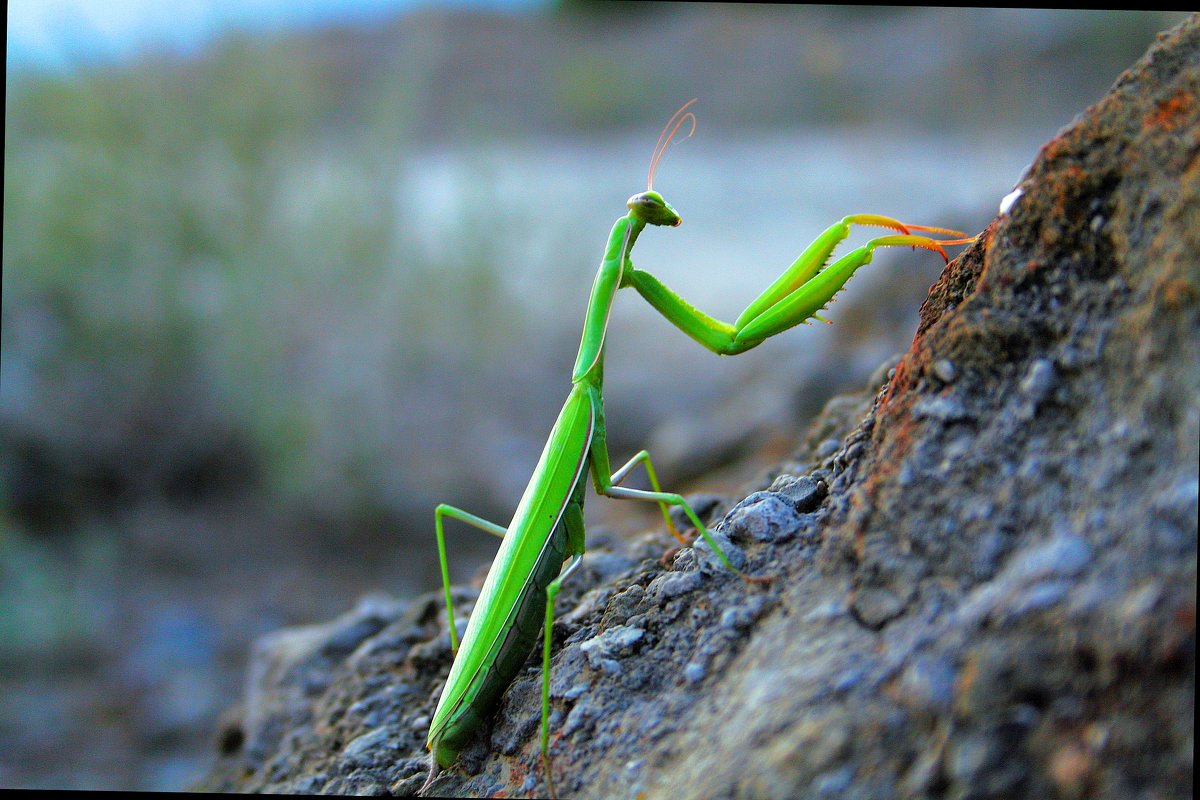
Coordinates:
(192,224)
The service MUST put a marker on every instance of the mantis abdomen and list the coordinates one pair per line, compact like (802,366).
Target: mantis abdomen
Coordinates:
(511,610)
(509,654)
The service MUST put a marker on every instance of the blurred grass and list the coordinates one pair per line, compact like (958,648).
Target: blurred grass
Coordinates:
(203,224)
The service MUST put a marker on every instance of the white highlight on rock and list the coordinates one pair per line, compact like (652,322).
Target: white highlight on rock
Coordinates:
(1010,199)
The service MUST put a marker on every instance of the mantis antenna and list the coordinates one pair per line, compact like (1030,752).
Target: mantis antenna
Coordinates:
(664,139)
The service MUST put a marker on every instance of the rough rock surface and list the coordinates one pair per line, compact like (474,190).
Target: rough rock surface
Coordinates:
(985,588)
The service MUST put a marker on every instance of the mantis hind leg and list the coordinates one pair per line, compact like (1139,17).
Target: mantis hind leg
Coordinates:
(551,593)
(482,524)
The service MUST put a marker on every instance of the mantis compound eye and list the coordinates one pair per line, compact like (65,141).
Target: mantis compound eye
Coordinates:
(644,201)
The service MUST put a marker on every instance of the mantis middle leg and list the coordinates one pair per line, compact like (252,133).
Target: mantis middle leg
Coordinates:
(606,483)
(621,474)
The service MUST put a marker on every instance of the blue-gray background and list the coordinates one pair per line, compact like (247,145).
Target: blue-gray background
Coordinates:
(279,277)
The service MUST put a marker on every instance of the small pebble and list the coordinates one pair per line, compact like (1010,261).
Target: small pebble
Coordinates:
(944,409)
(1039,380)
(764,517)
(710,564)
(944,370)
(827,448)
(359,750)
(611,667)
(834,782)
(826,611)
(1040,596)
(1064,555)
(674,584)
(876,606)
(928,683)
(743,616)
(804,494)
(600,650)
(1009,200)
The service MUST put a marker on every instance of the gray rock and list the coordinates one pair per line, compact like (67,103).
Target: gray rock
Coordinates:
(970,618)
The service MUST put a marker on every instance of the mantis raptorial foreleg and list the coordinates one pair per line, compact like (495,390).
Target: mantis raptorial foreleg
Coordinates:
(482,524)
(804,288)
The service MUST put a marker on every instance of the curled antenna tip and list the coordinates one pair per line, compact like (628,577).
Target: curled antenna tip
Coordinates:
(668,133)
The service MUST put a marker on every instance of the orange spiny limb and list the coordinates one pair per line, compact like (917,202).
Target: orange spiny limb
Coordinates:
(961,238)
(664,139)
(878,221)
(913,241)
(896,225)
(956,242)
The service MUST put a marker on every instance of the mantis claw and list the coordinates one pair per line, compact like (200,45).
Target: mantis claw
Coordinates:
(434,769)
(877,221)
(683,540)
(549,777)
(946,231)
(914,241)
(929,243)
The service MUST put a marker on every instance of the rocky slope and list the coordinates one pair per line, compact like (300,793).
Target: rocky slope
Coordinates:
(985,564)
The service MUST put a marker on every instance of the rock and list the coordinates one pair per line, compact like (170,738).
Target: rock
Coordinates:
(995,595)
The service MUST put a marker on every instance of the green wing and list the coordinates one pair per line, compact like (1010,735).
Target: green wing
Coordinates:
(562,463)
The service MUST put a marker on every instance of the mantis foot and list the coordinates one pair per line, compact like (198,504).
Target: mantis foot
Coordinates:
(434,769)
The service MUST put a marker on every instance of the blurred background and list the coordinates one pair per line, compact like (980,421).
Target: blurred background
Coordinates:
(278,277)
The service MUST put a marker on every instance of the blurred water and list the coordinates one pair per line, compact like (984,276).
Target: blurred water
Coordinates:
(749,203)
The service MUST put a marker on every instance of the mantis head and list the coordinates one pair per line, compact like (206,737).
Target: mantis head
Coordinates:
(649,206)
(652,209)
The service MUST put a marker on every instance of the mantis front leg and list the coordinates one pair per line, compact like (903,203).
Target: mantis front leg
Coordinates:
(805,288)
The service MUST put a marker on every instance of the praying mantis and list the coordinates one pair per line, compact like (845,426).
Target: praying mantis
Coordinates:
(547,528)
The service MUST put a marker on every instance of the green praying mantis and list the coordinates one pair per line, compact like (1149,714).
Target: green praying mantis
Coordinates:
(547,528)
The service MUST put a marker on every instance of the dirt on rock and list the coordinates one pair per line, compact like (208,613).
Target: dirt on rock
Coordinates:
(987,589)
